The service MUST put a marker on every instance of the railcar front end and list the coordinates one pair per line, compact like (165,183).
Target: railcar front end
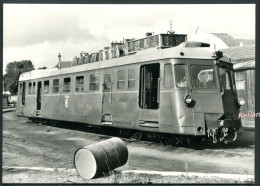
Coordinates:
(203,101)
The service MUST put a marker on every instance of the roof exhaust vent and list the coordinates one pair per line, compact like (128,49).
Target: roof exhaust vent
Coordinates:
(195,44)
(147,34)
(59,56)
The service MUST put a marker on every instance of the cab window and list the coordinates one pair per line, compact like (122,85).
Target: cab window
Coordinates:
(180,76)
(168,76)
(225,78)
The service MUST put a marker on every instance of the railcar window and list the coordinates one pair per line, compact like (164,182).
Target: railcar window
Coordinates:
(224,78)
(203,77)
(233,79)
(23,93)
(131,78)
(121,80)
(180,76)
(107,82)
(30,88)
(46,87)
(34,88)
(94,82)
(55,86)
(21,85)
(168,76)
(66,84)
(79,84)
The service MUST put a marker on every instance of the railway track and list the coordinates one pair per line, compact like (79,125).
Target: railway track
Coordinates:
(43,145)
(133,136)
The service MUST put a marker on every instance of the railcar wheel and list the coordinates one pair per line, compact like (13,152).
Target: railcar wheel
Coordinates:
(197,140)
(34,120)
(136,135)
(170,140)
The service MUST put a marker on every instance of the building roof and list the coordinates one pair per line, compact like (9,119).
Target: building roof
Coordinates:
(233,42)
(244,65)
(64,64)
(240,53)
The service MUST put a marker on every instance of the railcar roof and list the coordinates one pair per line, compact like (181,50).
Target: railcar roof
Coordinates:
(141,56)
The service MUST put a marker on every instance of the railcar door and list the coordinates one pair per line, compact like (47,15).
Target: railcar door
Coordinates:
(107,98)
(149,95)
(38,98)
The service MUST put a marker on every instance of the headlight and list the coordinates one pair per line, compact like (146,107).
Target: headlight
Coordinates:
(188,99)
(241,101)
(221,123)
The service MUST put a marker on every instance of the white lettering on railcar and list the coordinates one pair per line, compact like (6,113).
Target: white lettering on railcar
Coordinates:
(67,101)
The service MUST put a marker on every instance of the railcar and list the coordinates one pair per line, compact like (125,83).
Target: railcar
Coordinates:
(179,91)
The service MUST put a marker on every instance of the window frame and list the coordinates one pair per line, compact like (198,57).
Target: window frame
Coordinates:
(34,88)
(56,86)
(30,88)
(79,85)
(96,82)
(44,86)
(215,77)
(21,87)
(65,85)
(23,92)
(105,87)
(129,80)
(121,80)
(231,85)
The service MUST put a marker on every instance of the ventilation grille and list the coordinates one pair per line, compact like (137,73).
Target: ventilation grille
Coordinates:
(196,44)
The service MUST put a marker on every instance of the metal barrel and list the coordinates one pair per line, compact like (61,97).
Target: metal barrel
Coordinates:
(95,159)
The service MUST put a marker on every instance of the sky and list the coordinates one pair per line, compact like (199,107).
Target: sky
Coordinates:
(38,32)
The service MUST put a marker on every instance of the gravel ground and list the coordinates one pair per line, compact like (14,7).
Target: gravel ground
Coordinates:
(34,153)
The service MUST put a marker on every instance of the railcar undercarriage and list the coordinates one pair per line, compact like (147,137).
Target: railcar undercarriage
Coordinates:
(219,135)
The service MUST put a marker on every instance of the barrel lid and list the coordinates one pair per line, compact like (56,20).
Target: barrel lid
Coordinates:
(85,163)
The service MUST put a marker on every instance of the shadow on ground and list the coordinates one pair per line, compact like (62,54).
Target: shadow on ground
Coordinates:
(244,140)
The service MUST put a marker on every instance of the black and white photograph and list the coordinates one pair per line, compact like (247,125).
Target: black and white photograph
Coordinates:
(128,93)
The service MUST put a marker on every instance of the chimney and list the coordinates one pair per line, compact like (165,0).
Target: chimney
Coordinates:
(59,56)
(148,34)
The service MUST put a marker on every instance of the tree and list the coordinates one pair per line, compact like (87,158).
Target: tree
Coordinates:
(13,72)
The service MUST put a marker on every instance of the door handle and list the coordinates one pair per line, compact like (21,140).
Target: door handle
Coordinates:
(158,90)
(110,100)
(102,93)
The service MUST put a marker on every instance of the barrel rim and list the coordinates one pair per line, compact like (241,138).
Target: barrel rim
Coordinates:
(90,153)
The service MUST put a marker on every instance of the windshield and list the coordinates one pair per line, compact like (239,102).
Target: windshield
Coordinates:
(203,77)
